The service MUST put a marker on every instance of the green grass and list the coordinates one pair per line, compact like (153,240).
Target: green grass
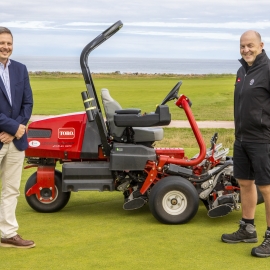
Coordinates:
(94,232)
(184,137)
(212,96)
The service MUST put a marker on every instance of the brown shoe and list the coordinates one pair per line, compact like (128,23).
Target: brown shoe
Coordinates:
(16,242)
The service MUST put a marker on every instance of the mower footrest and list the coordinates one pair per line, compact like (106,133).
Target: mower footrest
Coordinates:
(87,176)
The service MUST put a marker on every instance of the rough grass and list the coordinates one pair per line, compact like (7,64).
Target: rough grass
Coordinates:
(212,96)
(184,137)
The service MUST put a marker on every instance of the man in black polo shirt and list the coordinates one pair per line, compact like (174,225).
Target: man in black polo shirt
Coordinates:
(252,139)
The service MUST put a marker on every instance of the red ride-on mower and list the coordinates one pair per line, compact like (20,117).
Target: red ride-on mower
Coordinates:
(118,155)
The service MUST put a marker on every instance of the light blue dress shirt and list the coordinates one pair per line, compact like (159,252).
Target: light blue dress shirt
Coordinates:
(4,73)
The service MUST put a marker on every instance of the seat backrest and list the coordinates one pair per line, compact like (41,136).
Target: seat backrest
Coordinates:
(110,106)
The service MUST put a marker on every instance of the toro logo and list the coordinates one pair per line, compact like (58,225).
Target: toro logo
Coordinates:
(66,133)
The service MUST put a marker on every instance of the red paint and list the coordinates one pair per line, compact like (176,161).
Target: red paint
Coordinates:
(165,156)
(67,137)
(171,152)
(45,179)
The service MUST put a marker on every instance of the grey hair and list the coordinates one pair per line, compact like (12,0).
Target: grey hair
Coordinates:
(258,35)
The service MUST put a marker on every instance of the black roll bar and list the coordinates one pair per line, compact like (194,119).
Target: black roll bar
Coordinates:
(84,60)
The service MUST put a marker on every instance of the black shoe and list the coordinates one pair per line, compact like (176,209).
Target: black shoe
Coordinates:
(264,249)
(246,233)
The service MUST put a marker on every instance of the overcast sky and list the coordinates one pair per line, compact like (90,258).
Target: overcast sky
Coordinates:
(198,29)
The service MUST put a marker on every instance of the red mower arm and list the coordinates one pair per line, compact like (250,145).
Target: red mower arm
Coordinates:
(153,169)
(182,102)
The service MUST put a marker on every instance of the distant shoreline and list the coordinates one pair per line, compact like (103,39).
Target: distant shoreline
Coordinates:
(123,74)
(134,66)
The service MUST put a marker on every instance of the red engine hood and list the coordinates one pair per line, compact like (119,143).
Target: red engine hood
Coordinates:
(57,137)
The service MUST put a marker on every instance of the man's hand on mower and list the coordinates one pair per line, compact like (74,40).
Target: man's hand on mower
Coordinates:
(5,137)
(20,131)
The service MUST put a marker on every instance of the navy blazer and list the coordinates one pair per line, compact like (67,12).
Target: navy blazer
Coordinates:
(22,103)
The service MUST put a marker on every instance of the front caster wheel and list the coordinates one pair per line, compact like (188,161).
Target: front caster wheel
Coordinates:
(59,202)
(173,200)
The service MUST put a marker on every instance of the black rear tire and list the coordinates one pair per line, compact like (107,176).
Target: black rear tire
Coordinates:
(60,201)
(173,200)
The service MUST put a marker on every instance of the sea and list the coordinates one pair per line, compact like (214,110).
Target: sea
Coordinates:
(124,65)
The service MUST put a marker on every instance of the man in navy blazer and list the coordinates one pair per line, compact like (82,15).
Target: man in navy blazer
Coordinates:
(16,103)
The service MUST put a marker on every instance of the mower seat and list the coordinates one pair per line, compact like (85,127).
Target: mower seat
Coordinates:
(142,134)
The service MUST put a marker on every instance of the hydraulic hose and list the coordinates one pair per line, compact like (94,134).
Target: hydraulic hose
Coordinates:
(209,175)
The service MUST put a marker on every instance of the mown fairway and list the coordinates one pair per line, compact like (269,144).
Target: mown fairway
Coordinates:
(212,96)
(94,232)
